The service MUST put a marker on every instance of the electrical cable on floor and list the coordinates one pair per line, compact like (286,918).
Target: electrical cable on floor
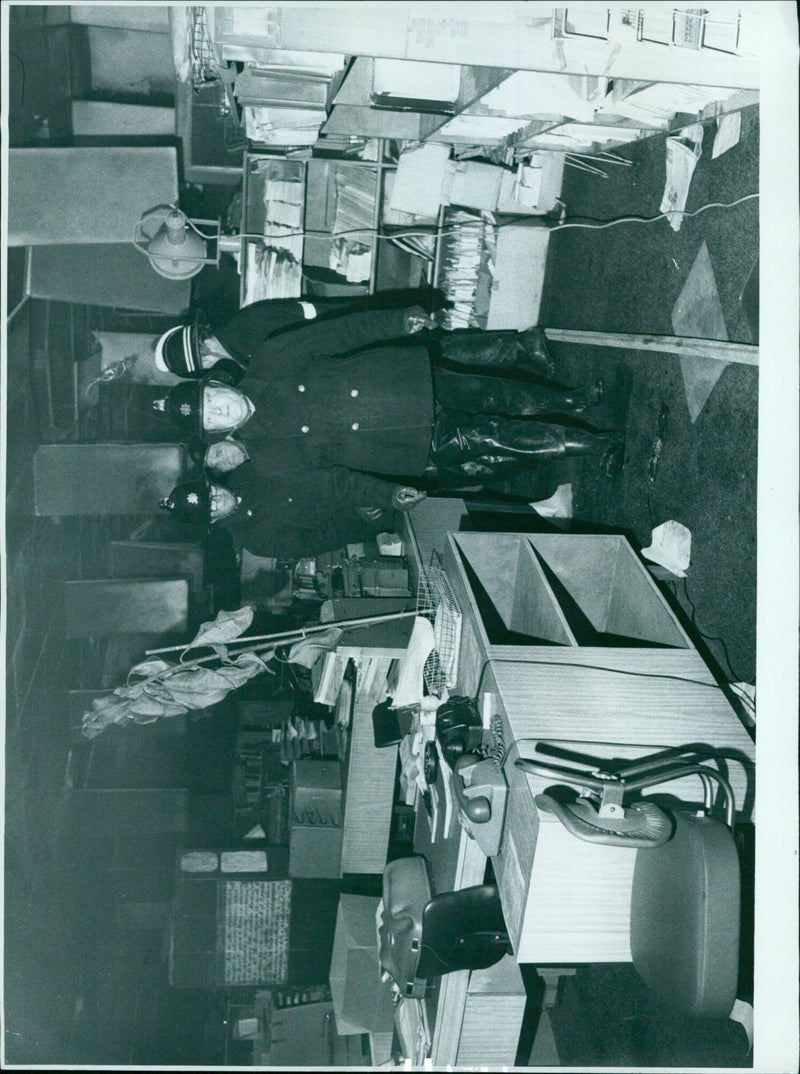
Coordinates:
(513,220)
(661,216)
(707,637)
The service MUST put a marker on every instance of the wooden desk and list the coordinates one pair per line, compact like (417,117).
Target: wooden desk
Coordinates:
(475,1018)
(564,900)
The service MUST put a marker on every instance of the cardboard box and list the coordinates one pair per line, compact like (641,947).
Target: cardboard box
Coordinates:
(362,1003)
(472,185)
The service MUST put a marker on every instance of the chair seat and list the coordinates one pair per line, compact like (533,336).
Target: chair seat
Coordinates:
(685,918)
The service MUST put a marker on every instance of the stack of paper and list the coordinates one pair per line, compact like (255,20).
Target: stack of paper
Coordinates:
(532,93)
(331,674)
(285,127)
(283,215)
(354,219)
(371,682)
(467,243)
(355,199)
(655,104)
(270,273)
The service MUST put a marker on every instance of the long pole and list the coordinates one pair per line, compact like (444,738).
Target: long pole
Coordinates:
(289,635)
(686,346)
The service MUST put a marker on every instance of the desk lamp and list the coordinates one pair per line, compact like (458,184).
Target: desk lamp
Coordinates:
(176,246)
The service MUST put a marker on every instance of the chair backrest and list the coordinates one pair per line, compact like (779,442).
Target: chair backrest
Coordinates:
(423,937)
(685,908)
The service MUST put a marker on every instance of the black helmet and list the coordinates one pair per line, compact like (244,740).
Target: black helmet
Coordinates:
(184,405)
(189,502)
(178,351)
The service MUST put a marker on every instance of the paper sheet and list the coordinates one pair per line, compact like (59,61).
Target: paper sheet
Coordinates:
(729,128)
(671,546)
(682,160)
(410,687)
(448,793)
(559,505)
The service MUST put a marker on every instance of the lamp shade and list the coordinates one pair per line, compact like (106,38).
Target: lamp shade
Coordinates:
(176,249)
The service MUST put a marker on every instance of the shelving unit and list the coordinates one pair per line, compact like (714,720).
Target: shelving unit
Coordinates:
(333,196)
(274,192)
(261,792)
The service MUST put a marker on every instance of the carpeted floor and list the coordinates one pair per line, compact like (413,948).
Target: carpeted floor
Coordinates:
(627,279)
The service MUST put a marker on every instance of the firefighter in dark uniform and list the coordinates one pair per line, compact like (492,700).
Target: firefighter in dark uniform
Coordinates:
(274,515)
(355,391)
(190,351)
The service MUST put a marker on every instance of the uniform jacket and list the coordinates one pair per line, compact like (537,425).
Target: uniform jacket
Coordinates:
(350,390)
(253,324)
(304,513)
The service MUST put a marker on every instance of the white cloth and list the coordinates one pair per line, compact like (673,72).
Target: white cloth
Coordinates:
(410,684)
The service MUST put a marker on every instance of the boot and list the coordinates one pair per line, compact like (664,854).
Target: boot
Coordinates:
(515,398)
(610,446)
(482,448)
(522,352)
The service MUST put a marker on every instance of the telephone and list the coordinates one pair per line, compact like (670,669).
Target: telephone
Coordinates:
(481,792)
(458,728)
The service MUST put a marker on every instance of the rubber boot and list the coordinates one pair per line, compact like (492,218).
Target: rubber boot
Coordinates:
(608,445)
(513,398)
(485,448)
(522,352)
(522,400)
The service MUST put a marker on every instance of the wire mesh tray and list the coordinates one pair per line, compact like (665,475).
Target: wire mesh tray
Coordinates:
(437,603)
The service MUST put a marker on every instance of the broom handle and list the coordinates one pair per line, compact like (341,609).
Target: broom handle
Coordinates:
(686,346)
(288,635)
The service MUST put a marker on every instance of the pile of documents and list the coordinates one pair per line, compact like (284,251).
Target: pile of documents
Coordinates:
(270,273)
(468,245)
(354,221)
(283,221)
(327,675)
(282,126)
(353,260)
(654,104)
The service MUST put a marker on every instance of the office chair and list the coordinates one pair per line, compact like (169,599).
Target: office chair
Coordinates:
(684,923)
(423,937)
